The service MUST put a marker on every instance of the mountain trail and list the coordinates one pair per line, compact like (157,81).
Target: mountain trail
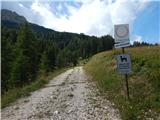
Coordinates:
(69,96)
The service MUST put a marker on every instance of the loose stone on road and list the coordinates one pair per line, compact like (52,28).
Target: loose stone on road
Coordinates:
(69,96)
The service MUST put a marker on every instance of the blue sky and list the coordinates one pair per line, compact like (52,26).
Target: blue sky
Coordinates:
(147,23)
(93,17)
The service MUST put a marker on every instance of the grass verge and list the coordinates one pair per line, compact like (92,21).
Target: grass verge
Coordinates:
(13,94)
(144,82)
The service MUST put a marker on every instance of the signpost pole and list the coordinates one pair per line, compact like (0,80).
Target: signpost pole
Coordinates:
(126,79)
(121,35)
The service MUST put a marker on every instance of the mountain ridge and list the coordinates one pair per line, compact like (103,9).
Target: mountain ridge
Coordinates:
(11,19)
(11,16)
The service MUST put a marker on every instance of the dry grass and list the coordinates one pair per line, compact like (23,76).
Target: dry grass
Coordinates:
(144,82)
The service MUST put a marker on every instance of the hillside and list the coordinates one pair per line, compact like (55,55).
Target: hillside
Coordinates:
(30,52)
(144,82)
(10,16)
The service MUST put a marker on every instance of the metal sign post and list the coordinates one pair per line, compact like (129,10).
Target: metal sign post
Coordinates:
(126,80)
(121,34)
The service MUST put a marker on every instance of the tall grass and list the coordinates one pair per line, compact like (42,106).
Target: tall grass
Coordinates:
(144,82)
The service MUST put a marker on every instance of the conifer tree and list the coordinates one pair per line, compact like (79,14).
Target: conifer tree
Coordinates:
(25,65)
(43,69)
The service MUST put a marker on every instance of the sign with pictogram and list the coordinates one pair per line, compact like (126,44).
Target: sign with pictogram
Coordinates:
(124,63)
(121,36)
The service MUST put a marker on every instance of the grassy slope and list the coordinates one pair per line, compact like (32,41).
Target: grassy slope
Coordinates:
(144,82)
(13,94)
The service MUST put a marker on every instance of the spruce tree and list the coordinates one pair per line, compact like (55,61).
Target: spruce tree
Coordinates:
(44,64)
(25,65)
(6,59)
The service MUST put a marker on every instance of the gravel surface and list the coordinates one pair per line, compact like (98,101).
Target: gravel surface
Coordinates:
(69,96)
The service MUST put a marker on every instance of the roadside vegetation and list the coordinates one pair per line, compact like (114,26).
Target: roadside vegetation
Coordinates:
(28,54)
(13,94)
(144,82)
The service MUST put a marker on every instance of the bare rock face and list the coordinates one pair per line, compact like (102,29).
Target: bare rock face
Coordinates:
(69,96)
(7,15)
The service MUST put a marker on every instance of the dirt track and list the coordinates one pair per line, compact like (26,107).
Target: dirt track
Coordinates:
(69,96)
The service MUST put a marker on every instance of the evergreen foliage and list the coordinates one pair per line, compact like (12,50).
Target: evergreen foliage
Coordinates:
(28,53)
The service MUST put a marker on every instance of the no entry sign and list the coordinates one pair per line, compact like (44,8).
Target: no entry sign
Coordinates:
(121,35)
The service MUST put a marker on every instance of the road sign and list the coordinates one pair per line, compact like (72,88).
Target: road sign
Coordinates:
(124,63)
(121,32)
(121,36)
(122,44)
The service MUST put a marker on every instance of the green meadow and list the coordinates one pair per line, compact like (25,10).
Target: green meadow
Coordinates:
(144,81)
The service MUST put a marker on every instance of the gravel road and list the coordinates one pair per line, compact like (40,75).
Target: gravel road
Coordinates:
(69,96)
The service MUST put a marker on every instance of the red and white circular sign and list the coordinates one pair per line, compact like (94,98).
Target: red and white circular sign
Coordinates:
(122,31)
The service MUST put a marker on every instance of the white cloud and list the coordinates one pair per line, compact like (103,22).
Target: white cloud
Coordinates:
(136,38)
(94,17)
(43,10)
(20,5)
(59,7)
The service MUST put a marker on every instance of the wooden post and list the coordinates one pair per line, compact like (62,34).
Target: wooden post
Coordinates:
(126,80)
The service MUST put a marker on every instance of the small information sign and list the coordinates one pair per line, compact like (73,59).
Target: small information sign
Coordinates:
(124,63)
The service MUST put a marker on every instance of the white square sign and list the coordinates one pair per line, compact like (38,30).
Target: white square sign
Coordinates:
(124,63)
(122,44)
(121,32)
(121,35)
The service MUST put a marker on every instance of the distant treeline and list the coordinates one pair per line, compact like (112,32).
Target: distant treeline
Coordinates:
(137,44)
(27,54)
